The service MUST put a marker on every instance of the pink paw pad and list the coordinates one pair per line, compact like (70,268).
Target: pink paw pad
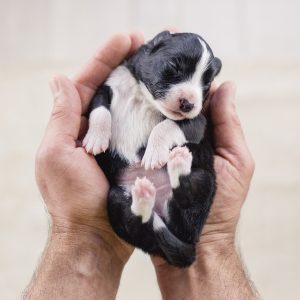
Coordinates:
(143,198)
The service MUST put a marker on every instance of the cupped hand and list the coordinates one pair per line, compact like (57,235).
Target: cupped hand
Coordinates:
(234,167)
(71,183)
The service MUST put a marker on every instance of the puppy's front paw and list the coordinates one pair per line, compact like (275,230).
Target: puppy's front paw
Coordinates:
(180,163)
(155,157)
(97,138)
(143,198)
(96,142)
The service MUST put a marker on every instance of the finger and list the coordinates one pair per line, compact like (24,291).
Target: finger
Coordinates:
(66,114)
(228,135)
(137,40)
(83,128)
(103,62)
(171,29)
(212,91)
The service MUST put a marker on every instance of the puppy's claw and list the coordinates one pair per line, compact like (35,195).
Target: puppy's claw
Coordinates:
(95,143)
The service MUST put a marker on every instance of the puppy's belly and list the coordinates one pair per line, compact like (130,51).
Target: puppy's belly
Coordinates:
(159,177)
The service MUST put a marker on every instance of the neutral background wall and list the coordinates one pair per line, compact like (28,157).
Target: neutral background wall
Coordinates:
(259,44)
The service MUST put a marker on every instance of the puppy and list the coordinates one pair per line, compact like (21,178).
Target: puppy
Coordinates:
(147,132)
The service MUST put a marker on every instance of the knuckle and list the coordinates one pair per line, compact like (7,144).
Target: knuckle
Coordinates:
(59,111)
(249,166)
(235,119)
(47,154)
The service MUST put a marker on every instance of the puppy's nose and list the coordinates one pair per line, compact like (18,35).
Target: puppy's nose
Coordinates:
(185,105)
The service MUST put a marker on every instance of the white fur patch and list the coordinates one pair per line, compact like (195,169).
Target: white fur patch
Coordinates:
(132,117)
(99,132)
(158,223)
(203,64)
(179,163)
(163,136)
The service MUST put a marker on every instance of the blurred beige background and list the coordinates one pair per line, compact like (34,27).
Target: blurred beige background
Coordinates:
(258,41)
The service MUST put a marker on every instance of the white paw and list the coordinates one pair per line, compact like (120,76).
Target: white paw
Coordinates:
(179,163)
(143,198)
(96,141)
(97,138)
(155,157)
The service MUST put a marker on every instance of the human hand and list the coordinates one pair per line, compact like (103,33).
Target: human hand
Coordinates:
(234,168)
(71,183)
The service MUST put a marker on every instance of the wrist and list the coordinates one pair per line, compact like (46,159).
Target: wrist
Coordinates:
(188,283)
(99,233)
(90,251)
(74,262)
(213,258)
(214,249)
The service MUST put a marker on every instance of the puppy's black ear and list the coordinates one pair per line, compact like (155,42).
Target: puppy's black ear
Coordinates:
(160,37)
(216,66)
(155,43)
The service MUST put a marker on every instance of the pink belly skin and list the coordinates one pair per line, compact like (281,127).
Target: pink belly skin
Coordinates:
(160,179)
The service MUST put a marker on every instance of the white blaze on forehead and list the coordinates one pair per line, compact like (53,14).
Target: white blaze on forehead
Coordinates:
(202,64)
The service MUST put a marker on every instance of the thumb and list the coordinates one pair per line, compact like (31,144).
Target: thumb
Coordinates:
(66,114)
(228,135)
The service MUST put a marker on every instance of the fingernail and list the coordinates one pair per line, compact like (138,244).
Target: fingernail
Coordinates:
(54,86)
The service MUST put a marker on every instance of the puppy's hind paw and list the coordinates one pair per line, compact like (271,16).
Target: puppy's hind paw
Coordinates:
(180,163)
(143,198)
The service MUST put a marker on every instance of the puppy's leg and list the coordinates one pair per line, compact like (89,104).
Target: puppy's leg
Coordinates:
(132,219)
(168,134)
(143,198)
(99,132)
(163,136)
(179,164)
(97,138)
(193,191)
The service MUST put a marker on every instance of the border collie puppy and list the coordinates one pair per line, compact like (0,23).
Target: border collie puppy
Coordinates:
(159,162)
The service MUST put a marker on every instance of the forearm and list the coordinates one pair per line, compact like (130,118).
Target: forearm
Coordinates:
(76,266)
(215,275)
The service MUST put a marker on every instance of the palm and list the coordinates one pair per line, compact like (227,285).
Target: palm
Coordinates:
(227,201)
(90,179)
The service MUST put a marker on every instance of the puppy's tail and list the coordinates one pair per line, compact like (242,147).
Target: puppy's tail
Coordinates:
(177,253)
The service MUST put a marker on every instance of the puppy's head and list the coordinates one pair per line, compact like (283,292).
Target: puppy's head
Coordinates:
(175,72)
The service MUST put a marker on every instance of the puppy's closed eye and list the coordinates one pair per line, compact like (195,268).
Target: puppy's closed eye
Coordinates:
(173,66)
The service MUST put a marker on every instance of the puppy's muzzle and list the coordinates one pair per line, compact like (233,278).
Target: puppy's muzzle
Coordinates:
(185,105)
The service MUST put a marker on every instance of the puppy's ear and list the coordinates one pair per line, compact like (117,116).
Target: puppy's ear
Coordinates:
(216,66)
(155,43)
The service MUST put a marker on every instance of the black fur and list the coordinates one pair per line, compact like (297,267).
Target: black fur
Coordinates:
(193,129)
(102,97)
(166,60)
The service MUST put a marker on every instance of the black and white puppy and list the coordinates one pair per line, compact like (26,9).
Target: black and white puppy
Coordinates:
(159,162)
